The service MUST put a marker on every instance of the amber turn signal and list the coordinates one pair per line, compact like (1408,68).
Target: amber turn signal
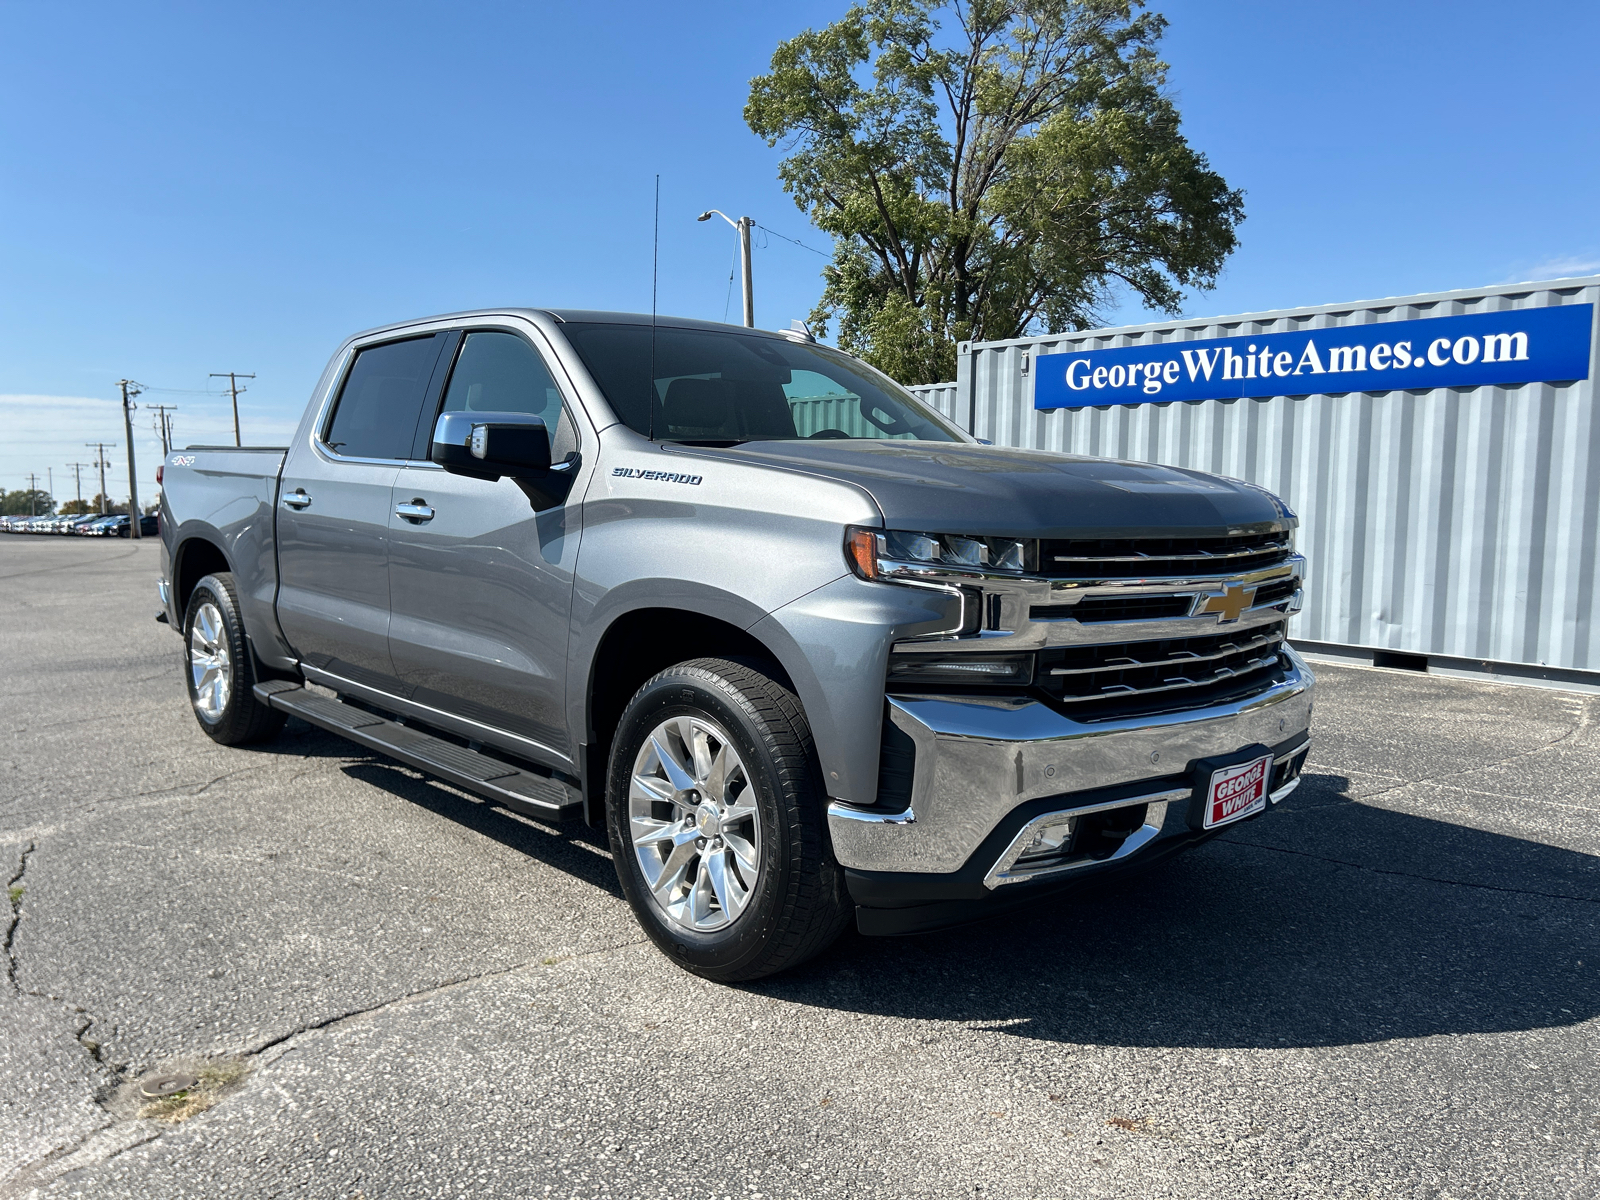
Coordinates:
(861,552)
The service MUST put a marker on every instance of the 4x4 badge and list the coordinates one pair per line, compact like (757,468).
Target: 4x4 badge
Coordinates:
(1229,603)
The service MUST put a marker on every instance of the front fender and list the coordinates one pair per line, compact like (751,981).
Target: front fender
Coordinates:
(834,643)
(634,596)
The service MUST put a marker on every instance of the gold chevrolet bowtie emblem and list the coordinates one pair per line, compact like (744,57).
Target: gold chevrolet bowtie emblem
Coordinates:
(1232,601)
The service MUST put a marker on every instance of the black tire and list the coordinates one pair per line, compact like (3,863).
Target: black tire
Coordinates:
(240,719)
(799,904)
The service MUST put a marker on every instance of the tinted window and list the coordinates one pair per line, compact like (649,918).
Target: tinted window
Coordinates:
(710,386)
(500,372)
(382,398)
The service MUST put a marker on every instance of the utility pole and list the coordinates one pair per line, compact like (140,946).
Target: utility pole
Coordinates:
(133,473)
(234,389)
(33,495)
(164,425)
(744,258)
(100,461)
(743,225)
(77,471)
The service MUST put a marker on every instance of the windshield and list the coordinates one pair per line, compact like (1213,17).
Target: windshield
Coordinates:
(715,388)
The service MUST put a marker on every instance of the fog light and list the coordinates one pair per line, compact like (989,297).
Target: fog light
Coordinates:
(1049,840)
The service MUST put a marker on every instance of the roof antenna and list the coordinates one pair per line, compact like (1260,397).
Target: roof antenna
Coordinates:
(655,273)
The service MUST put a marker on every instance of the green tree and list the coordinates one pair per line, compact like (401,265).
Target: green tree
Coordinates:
(1001,173)
(25,501)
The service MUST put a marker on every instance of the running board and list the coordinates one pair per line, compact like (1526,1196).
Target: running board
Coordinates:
(524,791)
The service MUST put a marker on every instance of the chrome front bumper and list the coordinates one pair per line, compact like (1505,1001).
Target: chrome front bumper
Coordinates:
(977,760)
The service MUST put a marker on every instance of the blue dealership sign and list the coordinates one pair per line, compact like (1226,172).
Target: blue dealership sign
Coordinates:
(1524,345)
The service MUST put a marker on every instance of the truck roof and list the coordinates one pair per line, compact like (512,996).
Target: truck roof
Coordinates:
(584,315)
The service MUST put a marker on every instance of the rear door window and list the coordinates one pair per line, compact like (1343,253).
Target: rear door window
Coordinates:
(381,401)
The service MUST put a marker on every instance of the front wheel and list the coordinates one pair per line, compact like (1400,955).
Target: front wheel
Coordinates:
(714,811)
(219,668)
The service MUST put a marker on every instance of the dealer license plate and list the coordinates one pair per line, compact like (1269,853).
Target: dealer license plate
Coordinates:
(1236,792)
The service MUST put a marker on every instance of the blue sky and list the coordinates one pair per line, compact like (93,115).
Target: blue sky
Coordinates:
(188,188)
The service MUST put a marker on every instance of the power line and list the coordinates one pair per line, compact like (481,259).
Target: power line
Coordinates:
(802,245)
(733,265)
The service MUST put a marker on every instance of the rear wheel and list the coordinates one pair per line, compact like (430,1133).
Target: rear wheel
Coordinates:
(714,811)
(219,668)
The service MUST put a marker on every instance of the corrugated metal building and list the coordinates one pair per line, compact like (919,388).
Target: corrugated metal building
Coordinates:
(1452,528)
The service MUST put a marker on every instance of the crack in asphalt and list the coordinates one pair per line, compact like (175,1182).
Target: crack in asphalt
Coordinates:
(14,890)
(85,809)
(37,1174)
(27,1178)
(426,993)
(1488,887)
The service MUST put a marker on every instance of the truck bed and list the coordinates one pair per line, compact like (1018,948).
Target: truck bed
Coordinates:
(224,496)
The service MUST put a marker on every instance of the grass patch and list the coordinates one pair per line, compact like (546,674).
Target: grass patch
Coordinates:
(16,895)
(215,1080)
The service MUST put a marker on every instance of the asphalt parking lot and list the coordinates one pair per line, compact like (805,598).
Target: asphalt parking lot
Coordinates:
(1387,988)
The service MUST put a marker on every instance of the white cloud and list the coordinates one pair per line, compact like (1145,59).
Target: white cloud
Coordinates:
(42,434)
(1567,266)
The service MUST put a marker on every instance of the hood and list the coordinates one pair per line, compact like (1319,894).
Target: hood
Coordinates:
(956,487)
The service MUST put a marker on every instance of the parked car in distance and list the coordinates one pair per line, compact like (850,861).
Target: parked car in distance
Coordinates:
(87,524)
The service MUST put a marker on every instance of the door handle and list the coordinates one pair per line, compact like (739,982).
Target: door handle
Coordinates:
(297,498)
(416,512)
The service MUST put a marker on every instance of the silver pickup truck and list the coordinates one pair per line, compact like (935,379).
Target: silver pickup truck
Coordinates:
(808,651)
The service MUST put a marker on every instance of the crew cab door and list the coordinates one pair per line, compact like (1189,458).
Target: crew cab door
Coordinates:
(334,508)
(480,584)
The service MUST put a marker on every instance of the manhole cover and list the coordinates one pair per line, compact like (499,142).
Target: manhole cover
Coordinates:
(166,1085)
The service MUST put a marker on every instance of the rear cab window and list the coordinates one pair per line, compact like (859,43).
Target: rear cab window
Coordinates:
(381,401)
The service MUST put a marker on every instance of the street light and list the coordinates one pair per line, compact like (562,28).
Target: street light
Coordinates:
(743,225)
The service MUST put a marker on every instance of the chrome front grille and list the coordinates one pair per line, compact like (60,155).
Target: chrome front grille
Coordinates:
(1152,558)
(1096,609)
(1118,627)
(1104,679)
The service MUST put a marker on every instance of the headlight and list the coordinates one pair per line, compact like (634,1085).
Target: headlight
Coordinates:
(871,553)
(1015,670)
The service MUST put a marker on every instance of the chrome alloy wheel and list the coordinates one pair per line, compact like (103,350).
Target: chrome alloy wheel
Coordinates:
(694,825)
(210,668)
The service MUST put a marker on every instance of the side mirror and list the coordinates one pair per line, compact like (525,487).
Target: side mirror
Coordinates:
(488,445)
